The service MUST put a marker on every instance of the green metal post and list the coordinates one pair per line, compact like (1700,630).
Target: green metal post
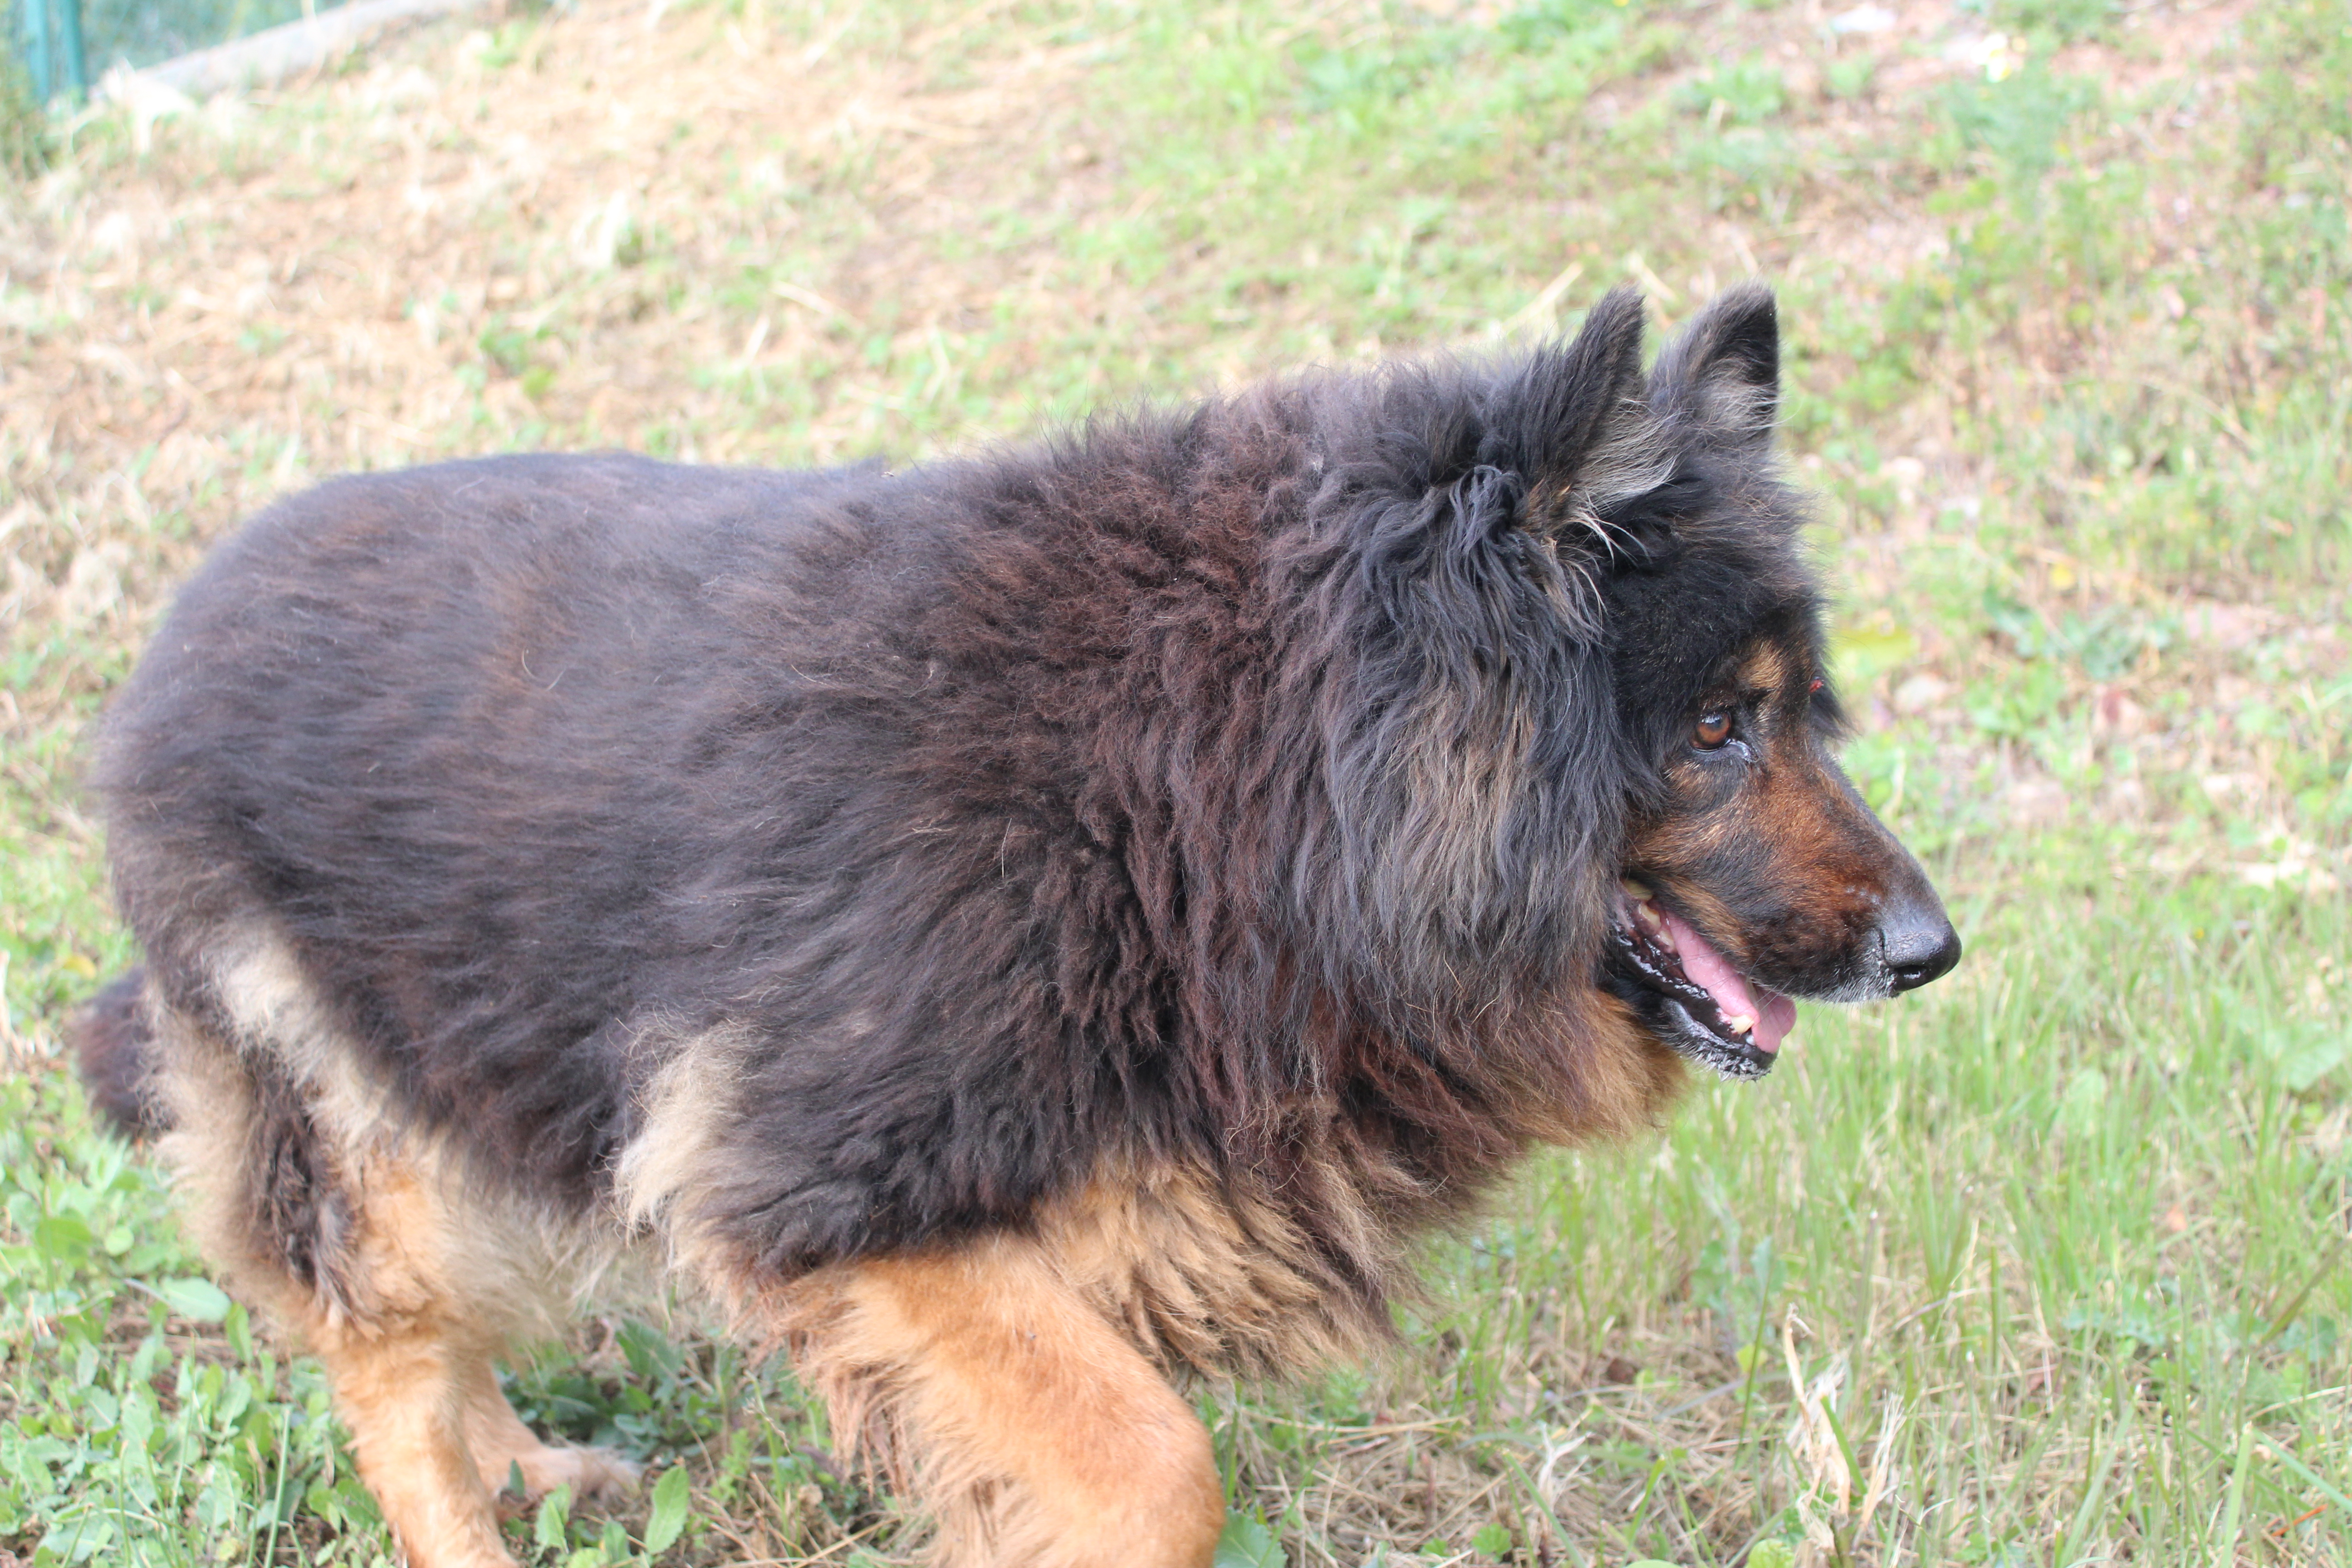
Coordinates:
(75,63)
(37,48)
(54,57)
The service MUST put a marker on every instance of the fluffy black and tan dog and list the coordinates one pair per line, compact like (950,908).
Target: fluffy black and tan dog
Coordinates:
(1012,930)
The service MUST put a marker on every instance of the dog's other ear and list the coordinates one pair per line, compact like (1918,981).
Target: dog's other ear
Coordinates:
(1562,404)
(1721,375)
(1575,424)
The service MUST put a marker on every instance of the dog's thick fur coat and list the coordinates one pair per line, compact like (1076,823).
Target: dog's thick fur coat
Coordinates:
(1010,929)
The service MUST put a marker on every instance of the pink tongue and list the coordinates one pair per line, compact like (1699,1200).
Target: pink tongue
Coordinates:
(1775,1015)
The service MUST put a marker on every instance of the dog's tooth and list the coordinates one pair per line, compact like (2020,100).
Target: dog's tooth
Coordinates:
(1740,1024)
(1654,926)
(1633,890)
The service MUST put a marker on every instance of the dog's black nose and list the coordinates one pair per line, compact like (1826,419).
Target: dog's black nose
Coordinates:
(1919,944)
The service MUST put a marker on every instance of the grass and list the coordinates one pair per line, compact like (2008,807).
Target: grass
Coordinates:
(2046,1264)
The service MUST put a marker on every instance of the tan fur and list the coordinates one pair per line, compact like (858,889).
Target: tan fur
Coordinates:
(209,1103)
(676,1115)
(1039,1434)
(432,1285)
(275,1009)
(414,1376)
(401,1379)
(1766,668)
(1020,1384)
(1630,1080)
(664,1173)
(1216,1283)
(521,1268)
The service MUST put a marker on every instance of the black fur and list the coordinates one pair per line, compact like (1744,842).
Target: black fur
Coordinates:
(1244,786)
(110,1045)
(300,1200)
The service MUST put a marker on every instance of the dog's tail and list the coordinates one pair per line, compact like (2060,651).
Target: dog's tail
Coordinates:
(116,1047)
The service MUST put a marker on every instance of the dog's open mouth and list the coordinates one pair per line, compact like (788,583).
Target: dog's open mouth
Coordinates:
(1704,1008)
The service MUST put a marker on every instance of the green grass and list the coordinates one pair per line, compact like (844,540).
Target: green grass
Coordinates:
(2046,1264)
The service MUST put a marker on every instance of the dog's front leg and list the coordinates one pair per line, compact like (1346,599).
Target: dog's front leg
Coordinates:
(1033,1431)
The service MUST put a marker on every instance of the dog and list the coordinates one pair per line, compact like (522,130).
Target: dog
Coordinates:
(1018,933)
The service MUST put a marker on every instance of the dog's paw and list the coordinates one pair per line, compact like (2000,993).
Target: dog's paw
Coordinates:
(601,1473)
(597,1473)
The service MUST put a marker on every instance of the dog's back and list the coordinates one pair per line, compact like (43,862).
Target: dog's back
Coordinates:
(428,739)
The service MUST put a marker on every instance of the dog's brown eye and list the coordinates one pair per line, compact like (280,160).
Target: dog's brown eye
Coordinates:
(1713,729)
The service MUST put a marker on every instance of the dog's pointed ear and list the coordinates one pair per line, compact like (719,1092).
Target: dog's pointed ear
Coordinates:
(1584,435)
(1721,375)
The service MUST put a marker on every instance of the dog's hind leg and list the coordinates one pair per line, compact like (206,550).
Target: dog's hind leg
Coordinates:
(1037,1433)
(403,1391)
(353,1243)
(416,1380)
(401,1350)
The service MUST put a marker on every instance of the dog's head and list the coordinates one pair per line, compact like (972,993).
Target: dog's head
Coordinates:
(1752,871)
(1592,719)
